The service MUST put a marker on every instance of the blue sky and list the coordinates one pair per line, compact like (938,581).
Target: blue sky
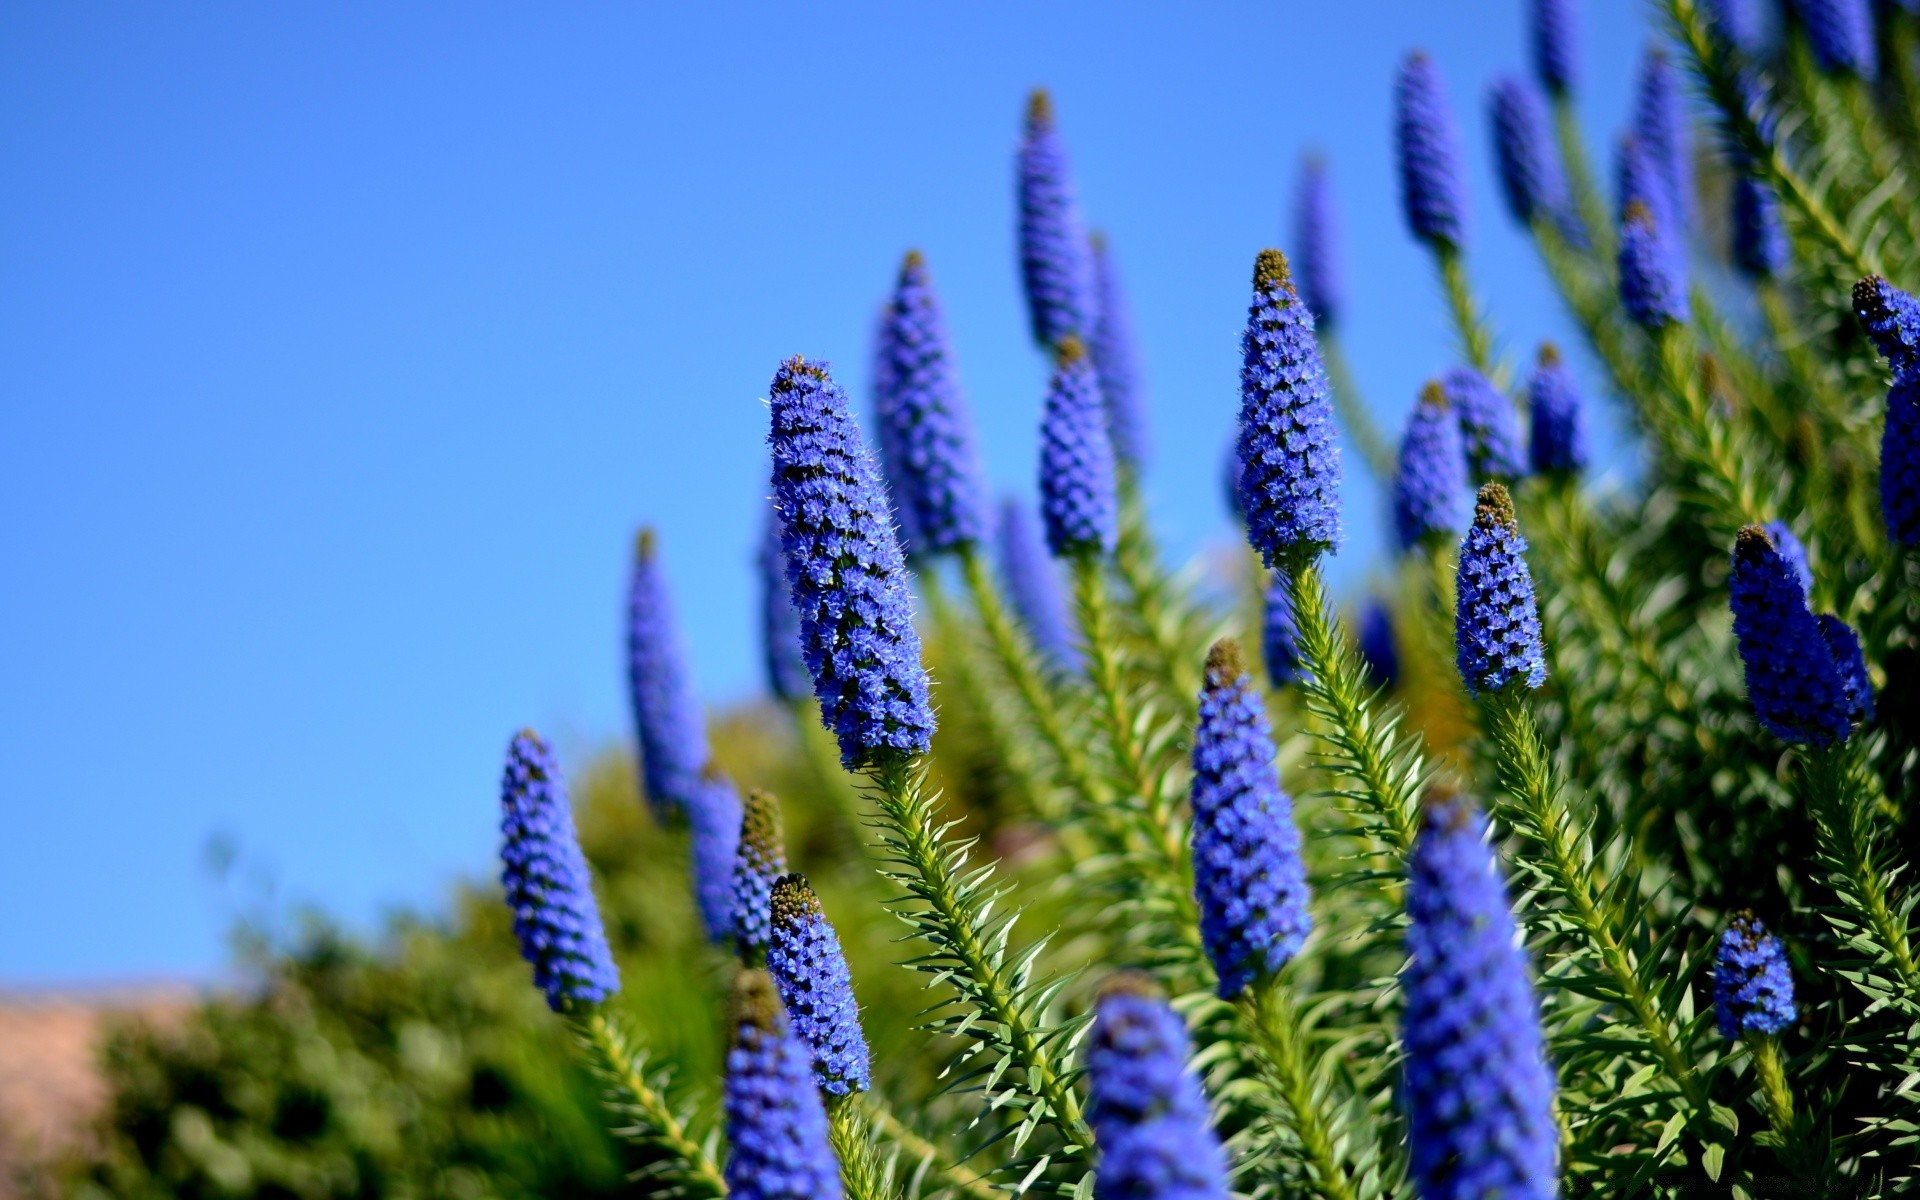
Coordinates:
(343,347)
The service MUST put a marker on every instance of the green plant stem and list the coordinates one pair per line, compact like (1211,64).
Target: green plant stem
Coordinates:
(1136,560)
(1376,451)
(963,669)
(1588,202)
(1842,810)
(1699,440)
(1267,1012)
(1777,1095)
(1528,801)
(631,1096)
(930,866)
(900,1134)
(1595,307)
(1469,324)
(853,1145)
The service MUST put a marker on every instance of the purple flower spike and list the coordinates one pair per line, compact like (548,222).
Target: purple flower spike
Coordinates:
(845,573)
(673,732)
(713,823)
(1033,584)
(779,624)
(1431,191)
(1489,428)
(1079,496)
(1496,622)
(1145,1105)
(1660,126)
(1116,359)
(1530,174)
(1290,462)
(1379,650)
(1247,873)
(1752,984)
(545,876)
(1840,34)
(1652,287)
(1054,262)
(1892,320)
(810,971)
(1805,679)
(1760,247)
(932,466)
(1430,487)
(1900,463)
(776,1121)
(1315,251)
(1559,442)
(760,859)
(1479,1089)
(1555,44)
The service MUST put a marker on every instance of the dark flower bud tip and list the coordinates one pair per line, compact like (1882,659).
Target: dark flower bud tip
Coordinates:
(754,1004)
(760,859)
(1270,272)
(1224,664)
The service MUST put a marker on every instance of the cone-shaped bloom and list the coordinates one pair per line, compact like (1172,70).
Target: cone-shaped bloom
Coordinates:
(934,470)
(1760,246)
(1496,623)
(1280,637)
(1555,45)
(1530,173)
(1290,462)
(1851,663)
(779,624)
(1892,320)
(886,442)
(1900,463)
(1054,262)
(1791,549)
(1247,874)
(1652,287)
(1145,1106)
(1752,983)
(1734,23)
(1079,498)
(1116,360)
(1479,1090)
(713,828)
(1660,126)
(1379,650)
(776,1121)
(1638,180)
(1840,34)
(760,859)
(1430,486)
(1431,191)
(1033,584)
(672,729)
(808,968)
(1799,681)
(555,918)
(1559,442)
(1316,229)
(845,573)
(1489,428)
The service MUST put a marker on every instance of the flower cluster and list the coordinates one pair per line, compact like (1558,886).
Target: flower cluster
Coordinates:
(1752,984)
(1496,622)
(673,734)
(1289,485)
(1148,1114)
(776,1122)
(810,971)
(1806,677)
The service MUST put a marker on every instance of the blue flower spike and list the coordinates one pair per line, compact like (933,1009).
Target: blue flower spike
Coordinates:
(1316,256)
(1247,875)
(1806,678)
(1660,126)
(1900,463)
(1145,1105)
(1116,360)
(1653,287)
(1479,1089)
(810,971)
(1558,445)
(1496,620)
(776,1120)
(846,576)
(1055,266)
(1891,318)
(545,878)
(672,729)
(1840,34)
(1431,191)
(760,860)
(1079,487)
(1379,648)
(1556,45)
(1530,173)
(713,828)
(1034,586)
(1752,982)
(1489,427)
(1290,463)
(1430,488)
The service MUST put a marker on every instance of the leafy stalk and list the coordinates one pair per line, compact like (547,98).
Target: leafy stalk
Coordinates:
(894,1130)
(1469,322)
(1587,200)
(1267,1012)
(861,1171)
(680,1166)
(1161,612)
(1868,920)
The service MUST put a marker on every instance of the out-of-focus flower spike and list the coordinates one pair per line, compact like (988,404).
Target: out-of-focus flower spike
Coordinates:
(1489,427)
(1752,983)
(1559,442)
(1290,462)
(779,624)
(1496,620)
(1660,126)
(1530,173)
(1054,261)
(1556,46)
(1734,23)
(1316,254)
(810,971)
(1892,319)
(1033,584)
(932,465)
(1116,360)
(1231,469)
(1850,661)
(1798,690)
(1478,1090)
(713,828)
(1280,637)
(1247,873)
(776,1122)
(1793,551)
(760,859)
(1431,191)
(1430,487)
(1760,247)
(1079,496)
(1900,463)
(1840,34)
(1379,649)
(1652,287)
(1145,1105)
(545,877)
(671,727)
(845,573)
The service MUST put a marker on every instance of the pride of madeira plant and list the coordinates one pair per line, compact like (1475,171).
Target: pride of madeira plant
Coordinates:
(1572,863)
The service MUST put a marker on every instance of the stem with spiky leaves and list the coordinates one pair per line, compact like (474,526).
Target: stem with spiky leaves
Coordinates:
(894,1130)
(1701,441)
(1156,605)
(634,1097)
(860,1170)
(1841,800)
(1587,200)
(1267,1012)
(1469,322)
(1777,1095)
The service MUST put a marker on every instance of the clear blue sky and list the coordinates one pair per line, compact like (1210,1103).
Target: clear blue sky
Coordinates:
(342,347)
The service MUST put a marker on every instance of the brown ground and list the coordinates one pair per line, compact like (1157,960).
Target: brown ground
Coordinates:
(49,1086)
